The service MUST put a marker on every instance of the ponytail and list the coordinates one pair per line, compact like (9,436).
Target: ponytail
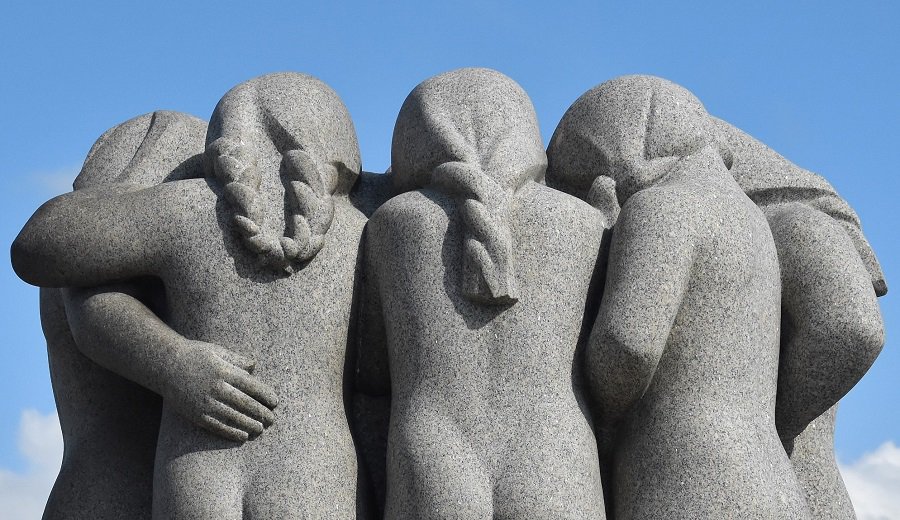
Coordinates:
(488,272)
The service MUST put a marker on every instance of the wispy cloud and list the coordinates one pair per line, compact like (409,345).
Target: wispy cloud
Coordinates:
(873,482)
(23,494)
(55,182)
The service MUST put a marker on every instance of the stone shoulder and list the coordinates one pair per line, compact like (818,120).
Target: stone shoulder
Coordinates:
(419,209)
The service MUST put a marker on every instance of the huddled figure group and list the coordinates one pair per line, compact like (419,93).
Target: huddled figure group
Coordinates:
(653,318)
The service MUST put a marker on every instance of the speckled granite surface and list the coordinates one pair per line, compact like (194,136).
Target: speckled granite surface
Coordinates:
(252,327)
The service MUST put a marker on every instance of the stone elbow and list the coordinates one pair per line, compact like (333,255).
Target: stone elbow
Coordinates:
(25,259)
(616,353)
(32,252)
(857,340)
(865,337)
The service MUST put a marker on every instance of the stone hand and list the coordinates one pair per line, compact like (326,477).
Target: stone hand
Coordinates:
(213,388)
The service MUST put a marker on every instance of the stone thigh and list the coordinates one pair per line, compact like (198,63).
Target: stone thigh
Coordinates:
(434,474)
(197,475)
(552,477)
(303,480)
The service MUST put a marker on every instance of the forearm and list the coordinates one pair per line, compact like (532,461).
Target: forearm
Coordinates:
(85,238)
(205,383)
(120,333)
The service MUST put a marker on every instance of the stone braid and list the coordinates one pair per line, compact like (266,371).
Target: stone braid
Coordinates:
(488,274)
(308,202)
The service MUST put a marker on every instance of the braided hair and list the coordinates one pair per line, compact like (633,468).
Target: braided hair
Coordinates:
(625,134)
(473,135)
(310,129)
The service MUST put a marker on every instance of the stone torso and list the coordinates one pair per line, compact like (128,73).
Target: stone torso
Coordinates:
(295,328)
(495,383)
(708,415)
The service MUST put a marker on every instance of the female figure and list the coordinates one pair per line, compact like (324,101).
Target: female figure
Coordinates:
(259,257)
(683,356)
(832,329)
(476,284)
(110,424)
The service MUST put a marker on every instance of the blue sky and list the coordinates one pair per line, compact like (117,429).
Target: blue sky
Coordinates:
(817,81)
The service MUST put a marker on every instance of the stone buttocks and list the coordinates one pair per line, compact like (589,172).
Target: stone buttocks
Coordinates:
(654,318)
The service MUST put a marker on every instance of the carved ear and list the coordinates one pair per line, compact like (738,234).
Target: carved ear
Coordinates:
(602,196)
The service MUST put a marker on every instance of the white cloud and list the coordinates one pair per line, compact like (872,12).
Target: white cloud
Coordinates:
(55,182)
(23,494)
(873,482)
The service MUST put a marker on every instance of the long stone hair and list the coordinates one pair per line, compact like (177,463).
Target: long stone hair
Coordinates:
(626,133)
(298,125)
(473,135)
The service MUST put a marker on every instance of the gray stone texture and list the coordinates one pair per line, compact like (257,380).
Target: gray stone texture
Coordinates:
(812,456)
(258,262)
(110,424)
(243,324)
(832,329)
(770,179)
(476,281)
(683,356)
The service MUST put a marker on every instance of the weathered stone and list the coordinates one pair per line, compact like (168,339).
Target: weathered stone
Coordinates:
(476,284)
(279,300)
(683,356)
(109,424)
(465,359)
(812,456)
(832,329)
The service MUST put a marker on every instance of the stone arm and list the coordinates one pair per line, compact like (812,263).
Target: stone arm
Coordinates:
(649,264)
(94,236)
(832,329)
(207,384)
(101,235)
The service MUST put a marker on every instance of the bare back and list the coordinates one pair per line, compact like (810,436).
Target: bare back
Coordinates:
(294,326)
(490,385)
(706,419)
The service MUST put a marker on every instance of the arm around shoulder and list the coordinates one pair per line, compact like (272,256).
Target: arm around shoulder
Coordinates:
(91,237)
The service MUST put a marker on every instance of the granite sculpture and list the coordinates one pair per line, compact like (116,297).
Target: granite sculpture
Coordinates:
(832,329)
(110,424)
(476,283)
(252,327)
(683,356)
(814,463)
(281,302)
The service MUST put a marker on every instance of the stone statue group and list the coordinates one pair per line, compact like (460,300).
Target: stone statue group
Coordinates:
(653,318)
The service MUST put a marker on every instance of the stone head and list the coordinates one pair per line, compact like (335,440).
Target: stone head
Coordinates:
(475,116)
(146,150)
(275,113)
(630,129)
